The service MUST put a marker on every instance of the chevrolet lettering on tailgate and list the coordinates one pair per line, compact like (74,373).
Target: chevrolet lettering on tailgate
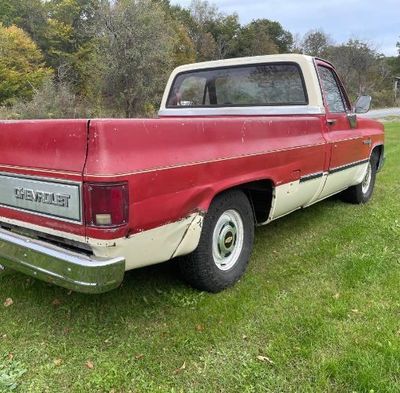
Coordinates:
(49,198)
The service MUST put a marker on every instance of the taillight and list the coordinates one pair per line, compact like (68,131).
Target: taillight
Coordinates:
(107,204)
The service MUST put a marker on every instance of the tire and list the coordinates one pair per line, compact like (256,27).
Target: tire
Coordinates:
(225,244)
(362,193)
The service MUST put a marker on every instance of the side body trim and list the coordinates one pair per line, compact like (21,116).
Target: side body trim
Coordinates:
(348,166)
(311,177)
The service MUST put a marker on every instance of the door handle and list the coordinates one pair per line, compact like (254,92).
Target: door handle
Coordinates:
(331,122)
(367,142)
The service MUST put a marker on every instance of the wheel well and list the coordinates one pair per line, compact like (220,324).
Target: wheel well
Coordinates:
(379,152)
(260,194)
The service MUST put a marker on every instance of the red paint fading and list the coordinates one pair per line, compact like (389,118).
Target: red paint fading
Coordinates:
(52,145)
(175,166)
(153,144)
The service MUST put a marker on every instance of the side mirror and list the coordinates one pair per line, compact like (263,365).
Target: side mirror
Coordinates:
(362,104)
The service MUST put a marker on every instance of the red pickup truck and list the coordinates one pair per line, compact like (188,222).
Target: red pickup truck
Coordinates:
(238,143)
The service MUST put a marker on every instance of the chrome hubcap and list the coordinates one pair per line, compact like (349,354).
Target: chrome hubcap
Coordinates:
(367,179)
(228,239)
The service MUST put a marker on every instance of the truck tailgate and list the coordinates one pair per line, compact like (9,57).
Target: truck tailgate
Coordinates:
(54,145)
(41,166)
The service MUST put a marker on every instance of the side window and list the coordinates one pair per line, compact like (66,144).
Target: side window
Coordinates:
(331,89)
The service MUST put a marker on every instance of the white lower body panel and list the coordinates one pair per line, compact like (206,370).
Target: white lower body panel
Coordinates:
(304,192)
(155,245)
(294,195)
(342,179)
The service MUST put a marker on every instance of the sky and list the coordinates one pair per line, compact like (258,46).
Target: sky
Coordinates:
(374,21)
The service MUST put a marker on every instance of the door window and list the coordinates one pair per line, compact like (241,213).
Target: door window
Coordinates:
(332,91)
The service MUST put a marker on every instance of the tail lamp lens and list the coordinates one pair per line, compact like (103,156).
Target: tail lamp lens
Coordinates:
(107,204)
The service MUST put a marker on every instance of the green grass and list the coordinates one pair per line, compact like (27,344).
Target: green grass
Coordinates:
(321,300)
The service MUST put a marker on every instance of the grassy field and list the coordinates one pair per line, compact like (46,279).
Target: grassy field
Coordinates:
(317,311)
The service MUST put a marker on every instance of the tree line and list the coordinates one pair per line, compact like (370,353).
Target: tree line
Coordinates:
(85,58)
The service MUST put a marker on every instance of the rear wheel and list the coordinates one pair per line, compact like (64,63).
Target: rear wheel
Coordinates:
(225,244)
(362,193)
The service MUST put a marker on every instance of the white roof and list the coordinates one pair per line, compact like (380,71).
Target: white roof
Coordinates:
(244,60)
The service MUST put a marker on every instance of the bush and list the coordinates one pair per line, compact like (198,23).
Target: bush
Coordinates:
(383,98)
(52,101)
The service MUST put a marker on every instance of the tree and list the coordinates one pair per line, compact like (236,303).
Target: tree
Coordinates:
(184,51)
(362,68)
(254,42)
(184,48)
(63,30)
(28,15)
(263,37)
(22,68)
(396,65)
(201,15)
(68,41)
(137,53)
(225,31)
(212,33)
(316,43)
(221,28)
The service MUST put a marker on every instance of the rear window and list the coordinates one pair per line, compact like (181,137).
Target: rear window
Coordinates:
(250,85)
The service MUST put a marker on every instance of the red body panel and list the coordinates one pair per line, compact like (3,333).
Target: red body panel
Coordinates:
(176,166)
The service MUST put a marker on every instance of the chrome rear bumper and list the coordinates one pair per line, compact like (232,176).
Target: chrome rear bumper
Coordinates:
(57,265)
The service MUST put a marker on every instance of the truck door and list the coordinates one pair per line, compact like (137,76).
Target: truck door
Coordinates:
(349,152)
